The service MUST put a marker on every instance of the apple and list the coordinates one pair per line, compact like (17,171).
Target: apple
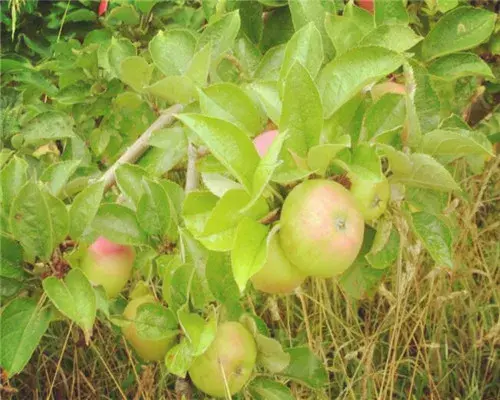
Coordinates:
(228,363)
(263,141)
(387,87)
(368,5)
(277,275)
(372,194)
(147,349)
(321,228)
(108,264)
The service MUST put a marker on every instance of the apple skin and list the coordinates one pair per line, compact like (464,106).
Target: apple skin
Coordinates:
(148,350)
(108,264)
(263,141)
(371,196)
(321,228)
(278,275)
(230,358)
(387,87)
(368,5)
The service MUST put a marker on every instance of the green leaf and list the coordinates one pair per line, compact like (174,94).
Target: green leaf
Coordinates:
(458,65)
(319,157)
(270,354)
(278,28)
(12,178)
(228,102)
(268,95)
(199,333)
(399,38)
(399,162)
(456,143)
(136,72)
(30,221)
(461,29)
(59,217)
(118,50)
(155,322)
(338,84)
(221,281)
(266,389)
(22,325)
(174,89)
(172,50)
(344,32)
(171,148)
(197,209)
(306,11)
(360,280)
(84,209)
(362,18)
(125,14)
(446,5)
(221,33)
(426,173)
(58,174)
(305,47)
(426,199)
(385,115)
(200,65)
(266,167)
(179,358)
(385,248)
(228,143)
(219,184)
(302,111)
(49,125)
(270,65)
(75,298)
(118,224)
(306,368)
(391,12)
(129,180)
(11,259)
(426,104)
(435,235)
(153,209)
(251,19)
(249,251)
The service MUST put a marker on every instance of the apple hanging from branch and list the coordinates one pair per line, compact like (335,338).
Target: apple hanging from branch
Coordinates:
(227,364)
(108,264)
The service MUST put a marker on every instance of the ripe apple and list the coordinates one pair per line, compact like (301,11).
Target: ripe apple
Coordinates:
(108,264)
(263,141)
(147,349)
(368,5)
(372,194)
(228,363)
(321,228)
(277,275)
(387,87)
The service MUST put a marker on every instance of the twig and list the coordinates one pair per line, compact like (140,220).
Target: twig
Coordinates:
(191,173)
(141,144)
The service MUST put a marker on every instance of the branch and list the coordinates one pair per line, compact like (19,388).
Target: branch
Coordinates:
(141,145)
(191,173)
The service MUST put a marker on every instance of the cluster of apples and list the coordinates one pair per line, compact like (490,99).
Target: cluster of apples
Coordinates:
(227,364)
(321,228)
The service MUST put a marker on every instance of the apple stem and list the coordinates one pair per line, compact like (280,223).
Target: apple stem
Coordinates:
(141,144)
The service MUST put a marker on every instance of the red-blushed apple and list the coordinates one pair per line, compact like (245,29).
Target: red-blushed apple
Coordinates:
(278,275)
(227,364)
(372,194)
(147,349)
(387,87)
(108,264)
(321,228)
(368,5)
(263,141)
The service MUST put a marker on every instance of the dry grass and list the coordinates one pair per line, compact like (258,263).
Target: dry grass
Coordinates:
(426,334)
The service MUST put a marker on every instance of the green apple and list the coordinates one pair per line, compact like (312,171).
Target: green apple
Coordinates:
(108,264)
(147,349)
(228,363)
(277,275)
(372,194)
(321,228)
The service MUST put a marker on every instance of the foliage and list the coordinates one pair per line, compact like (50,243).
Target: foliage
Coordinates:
(79,89)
